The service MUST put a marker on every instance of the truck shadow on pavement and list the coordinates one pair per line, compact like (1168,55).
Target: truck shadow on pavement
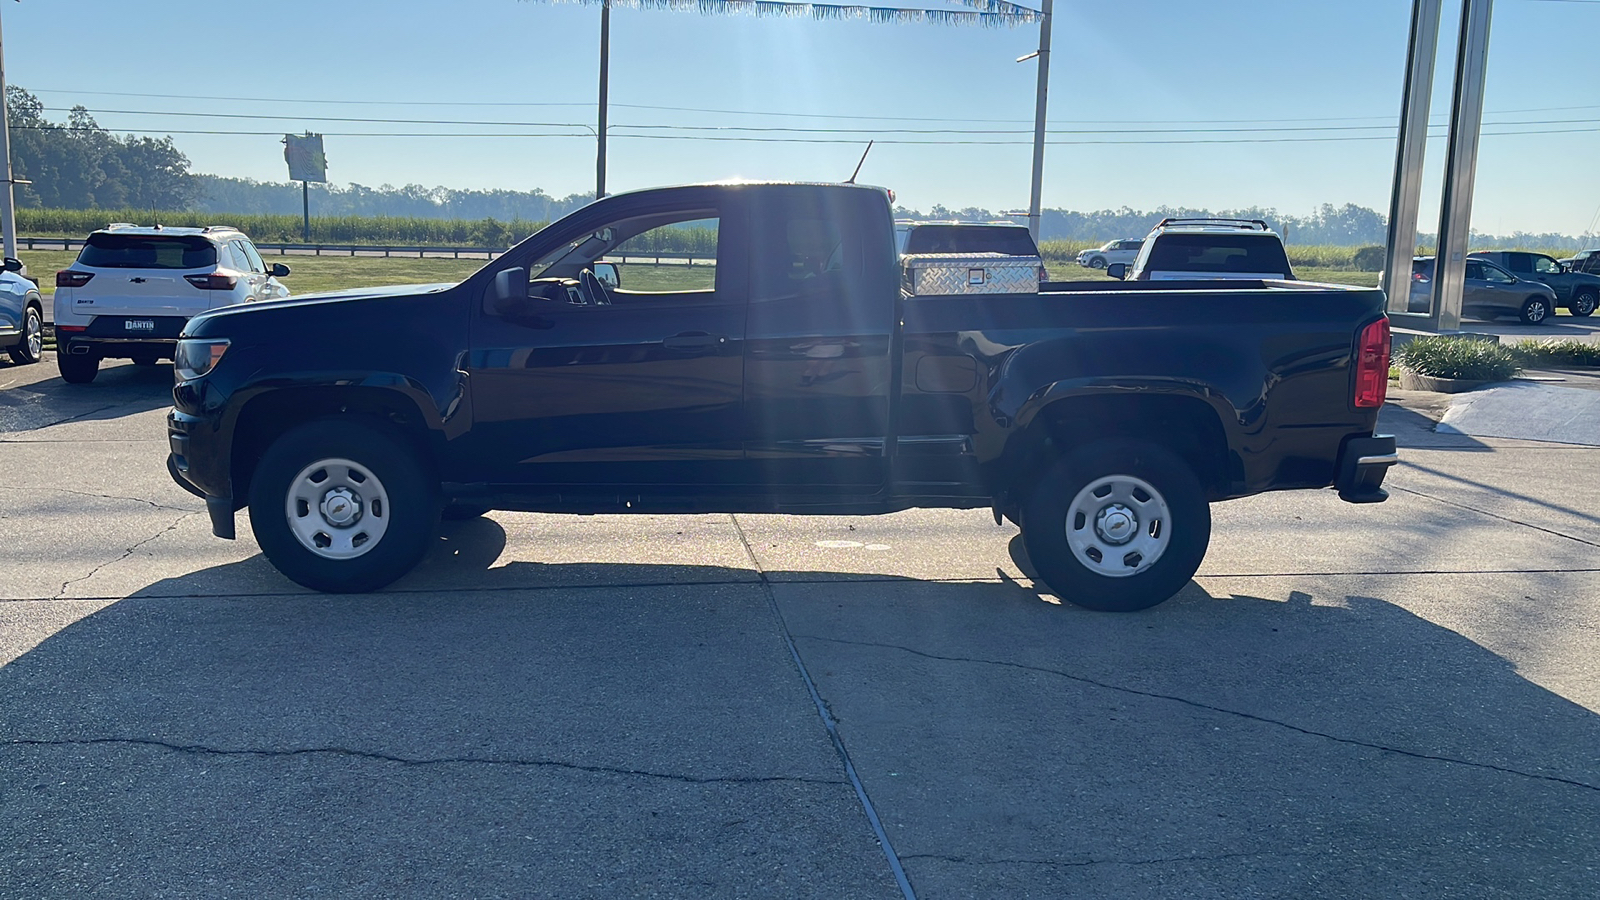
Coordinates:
(44,399)
(622,729)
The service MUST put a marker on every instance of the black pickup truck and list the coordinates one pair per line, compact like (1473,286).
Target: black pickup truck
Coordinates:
(785,369)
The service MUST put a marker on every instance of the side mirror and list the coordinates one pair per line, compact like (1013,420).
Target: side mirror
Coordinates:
(508,289)
(278,270)
(1119,271)
(13,264)
(608,273)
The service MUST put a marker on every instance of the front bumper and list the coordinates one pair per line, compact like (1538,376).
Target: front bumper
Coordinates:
(1363,463)
(199,462)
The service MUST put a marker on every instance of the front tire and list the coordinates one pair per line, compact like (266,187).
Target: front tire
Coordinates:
(32,347)
(77,368)
(1117,526)
(1584,303)
(1098,262)
(1535,310)
(343,507)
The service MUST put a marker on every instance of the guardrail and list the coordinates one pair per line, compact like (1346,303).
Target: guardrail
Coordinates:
(385,250)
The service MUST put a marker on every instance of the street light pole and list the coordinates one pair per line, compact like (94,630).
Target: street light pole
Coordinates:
(1043,53)
(605,65)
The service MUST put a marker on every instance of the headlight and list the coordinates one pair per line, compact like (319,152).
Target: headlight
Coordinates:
(197,356)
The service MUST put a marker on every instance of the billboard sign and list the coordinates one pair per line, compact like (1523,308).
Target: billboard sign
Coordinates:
(306,160)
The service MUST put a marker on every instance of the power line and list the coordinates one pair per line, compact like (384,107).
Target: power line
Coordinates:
(745,112)
(796,130)
(802,140)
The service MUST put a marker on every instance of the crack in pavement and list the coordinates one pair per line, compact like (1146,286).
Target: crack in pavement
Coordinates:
(1065,864)
(152,503)
(1154,695)
(373,756)
(70,418)
(61,594)
(1493,515)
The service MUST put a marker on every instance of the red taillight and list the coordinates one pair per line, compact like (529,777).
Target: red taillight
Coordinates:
(1372,365)
(1418,276)
(212,282)
(72,328)
(72,279)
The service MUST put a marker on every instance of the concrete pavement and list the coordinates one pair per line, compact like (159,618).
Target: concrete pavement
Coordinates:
(1394,700)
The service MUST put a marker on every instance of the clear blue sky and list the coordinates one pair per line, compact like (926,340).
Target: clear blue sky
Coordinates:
(1118,66)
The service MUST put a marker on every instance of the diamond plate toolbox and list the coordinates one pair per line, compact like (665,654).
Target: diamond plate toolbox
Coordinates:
(926,274)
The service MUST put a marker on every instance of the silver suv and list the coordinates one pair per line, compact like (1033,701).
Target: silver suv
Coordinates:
(132,289)
(1115,252)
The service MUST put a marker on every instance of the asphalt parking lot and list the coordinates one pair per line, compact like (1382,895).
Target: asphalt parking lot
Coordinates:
(1383,701)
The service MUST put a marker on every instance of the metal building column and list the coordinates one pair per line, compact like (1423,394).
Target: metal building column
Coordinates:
(1461,164)
(1406,197)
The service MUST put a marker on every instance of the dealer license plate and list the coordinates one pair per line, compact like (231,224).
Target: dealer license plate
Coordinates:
(139,325)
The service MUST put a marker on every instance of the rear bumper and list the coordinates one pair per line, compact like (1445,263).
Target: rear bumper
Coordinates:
(118,348)
(1363,463)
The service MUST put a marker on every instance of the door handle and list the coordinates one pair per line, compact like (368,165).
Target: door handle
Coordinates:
(694,340)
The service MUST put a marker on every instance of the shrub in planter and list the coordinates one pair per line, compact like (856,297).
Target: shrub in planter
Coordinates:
(1459,358)
(1556,353)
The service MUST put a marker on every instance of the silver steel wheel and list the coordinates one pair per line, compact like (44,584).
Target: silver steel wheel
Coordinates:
(33,339)
(1118,526)
(337,508)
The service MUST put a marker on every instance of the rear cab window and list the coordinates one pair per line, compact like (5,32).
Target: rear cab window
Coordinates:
(143,251)
(1217,253)
(971,239)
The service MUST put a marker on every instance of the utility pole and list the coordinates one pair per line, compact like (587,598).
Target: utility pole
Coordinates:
(605,64)
(8,210)
(1043,53)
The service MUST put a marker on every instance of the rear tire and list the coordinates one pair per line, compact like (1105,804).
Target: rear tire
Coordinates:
(32,347)
(343,507)
(1535,310)
(1117,526)
(77,368)
(1584,303)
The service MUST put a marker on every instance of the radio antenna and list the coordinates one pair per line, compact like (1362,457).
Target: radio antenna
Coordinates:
(859,164)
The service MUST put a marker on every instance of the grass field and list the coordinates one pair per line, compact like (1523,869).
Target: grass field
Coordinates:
(310,274)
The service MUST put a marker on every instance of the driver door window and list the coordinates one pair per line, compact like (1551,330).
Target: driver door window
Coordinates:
(680,257)
(661,258)
(1495,275)
(1544,265)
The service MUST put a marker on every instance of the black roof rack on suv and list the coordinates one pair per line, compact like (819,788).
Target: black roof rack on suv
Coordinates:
(1251,224)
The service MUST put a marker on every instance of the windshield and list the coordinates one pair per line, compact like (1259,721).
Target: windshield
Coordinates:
(144,251)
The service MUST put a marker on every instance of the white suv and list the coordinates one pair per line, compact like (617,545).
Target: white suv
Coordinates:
(1208,250)
(132,289)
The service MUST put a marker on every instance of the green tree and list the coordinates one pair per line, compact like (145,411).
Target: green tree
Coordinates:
(80,165)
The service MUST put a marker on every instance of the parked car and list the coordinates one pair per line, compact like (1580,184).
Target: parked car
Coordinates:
(1588,261)
(131,290)
(346,422)
(1113,252)
(1208,250)
(1579,292)
(1488,292)
(21,315)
